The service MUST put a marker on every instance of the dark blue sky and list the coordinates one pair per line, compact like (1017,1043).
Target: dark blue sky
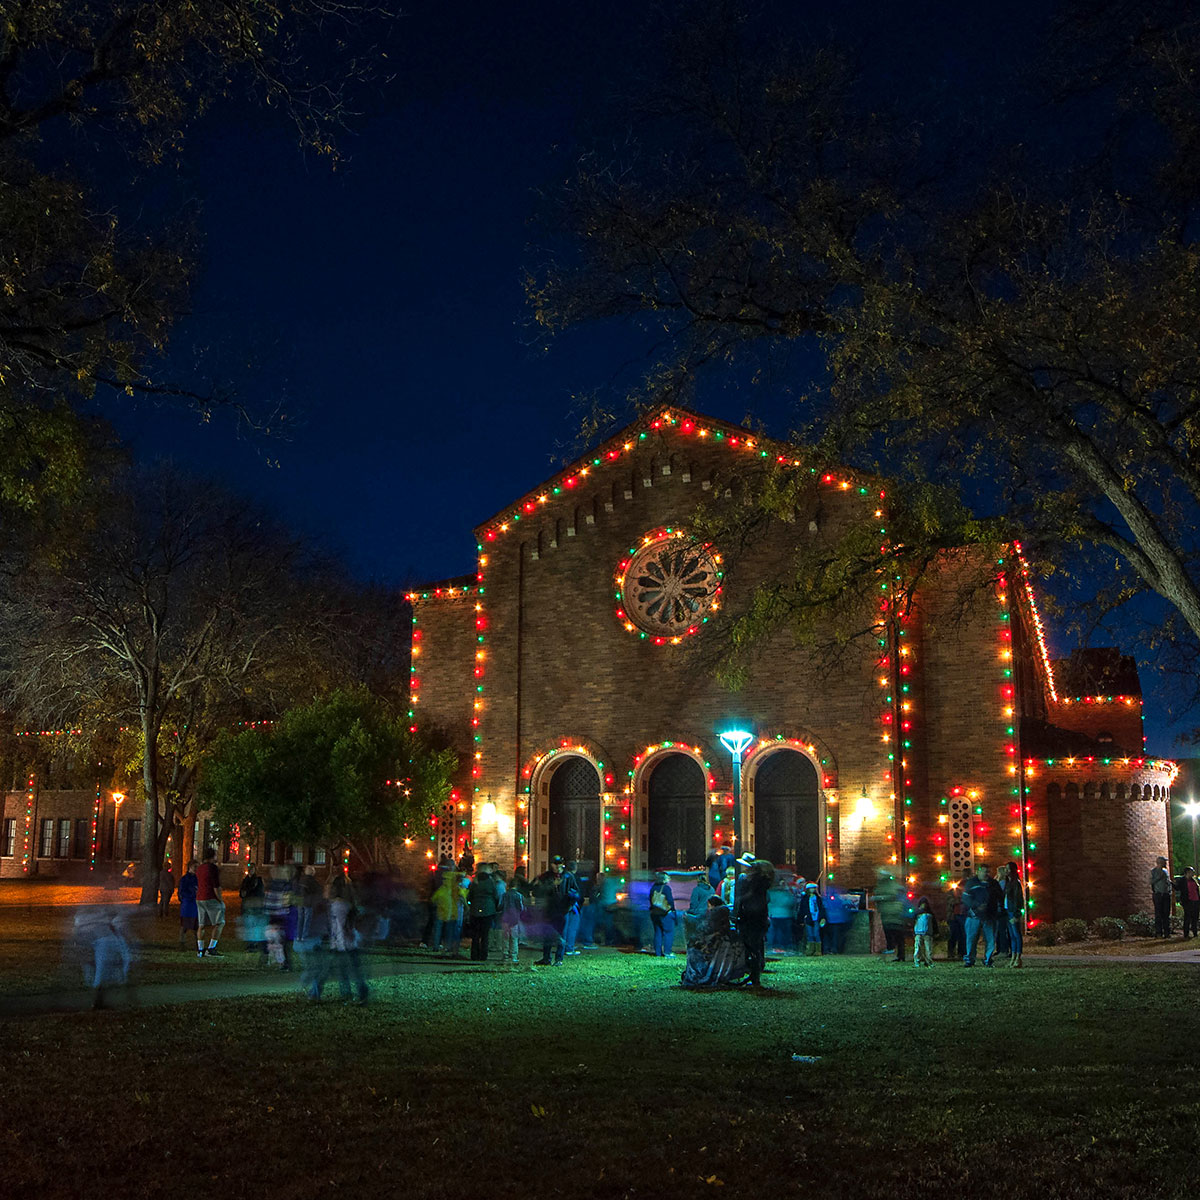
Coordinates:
(382,303)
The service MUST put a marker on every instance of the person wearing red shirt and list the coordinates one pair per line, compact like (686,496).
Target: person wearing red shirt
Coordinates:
(209,904)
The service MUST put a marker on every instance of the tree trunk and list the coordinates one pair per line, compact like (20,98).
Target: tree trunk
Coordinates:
(153,841)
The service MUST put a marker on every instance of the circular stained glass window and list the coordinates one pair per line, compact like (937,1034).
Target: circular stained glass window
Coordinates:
(668,586)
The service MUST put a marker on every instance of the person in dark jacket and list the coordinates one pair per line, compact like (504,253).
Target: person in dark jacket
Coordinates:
(750,912)
(483,899)
(189,913)
(984,902)
(166,889)
(662,916)
(956,918)
(1187,891)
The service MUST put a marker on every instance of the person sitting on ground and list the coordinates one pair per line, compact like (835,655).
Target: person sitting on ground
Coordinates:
(716,955)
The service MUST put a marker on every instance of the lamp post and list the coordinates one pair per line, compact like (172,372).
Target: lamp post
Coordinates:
(737,742)
(1192,809)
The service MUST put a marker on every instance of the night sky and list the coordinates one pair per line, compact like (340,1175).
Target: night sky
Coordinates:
(382,303)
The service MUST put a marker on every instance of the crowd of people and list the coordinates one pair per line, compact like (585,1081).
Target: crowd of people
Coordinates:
(736,911)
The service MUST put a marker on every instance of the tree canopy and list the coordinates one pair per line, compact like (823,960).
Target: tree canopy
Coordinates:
(1015,323)
(344,770)
(92,95)
(177,611)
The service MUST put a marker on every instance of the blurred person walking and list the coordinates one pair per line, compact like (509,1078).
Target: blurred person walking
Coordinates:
(103,936)
(781,913)
(343,940)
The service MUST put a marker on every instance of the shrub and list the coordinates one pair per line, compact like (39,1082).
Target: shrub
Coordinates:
(1140,924)
(1072,929)
(1045,933)
(1108,929)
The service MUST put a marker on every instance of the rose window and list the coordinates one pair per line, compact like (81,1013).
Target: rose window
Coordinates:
(669,586)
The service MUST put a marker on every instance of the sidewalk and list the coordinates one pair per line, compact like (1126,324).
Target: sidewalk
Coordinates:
(154,995)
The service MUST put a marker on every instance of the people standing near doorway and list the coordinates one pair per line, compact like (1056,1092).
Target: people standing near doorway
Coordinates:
(1014,912)
(662,916)
(750,913)
(984,903)
(445,914)
(1161,893)
(550,898)
(512,909)
(956,917)
(815,919)
(1187,889)
(571,888)
(781,913)
(210,905)
(717,863)
(482,906)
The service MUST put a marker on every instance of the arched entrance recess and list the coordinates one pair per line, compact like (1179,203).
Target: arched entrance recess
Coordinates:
(787,813)
(574,812)
(677,796)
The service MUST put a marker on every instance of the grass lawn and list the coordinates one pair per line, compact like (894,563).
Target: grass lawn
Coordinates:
(603,1079)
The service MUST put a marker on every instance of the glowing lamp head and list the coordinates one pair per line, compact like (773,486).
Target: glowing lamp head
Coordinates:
(736,741)
(1191,809)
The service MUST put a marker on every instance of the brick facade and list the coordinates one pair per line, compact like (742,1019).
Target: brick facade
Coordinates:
(533,664)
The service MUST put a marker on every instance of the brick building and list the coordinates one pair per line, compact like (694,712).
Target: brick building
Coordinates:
(571,673)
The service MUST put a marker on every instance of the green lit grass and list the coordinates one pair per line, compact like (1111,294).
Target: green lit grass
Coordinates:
(1046,1082)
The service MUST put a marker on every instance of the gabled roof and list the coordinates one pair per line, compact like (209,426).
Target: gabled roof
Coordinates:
(674,419)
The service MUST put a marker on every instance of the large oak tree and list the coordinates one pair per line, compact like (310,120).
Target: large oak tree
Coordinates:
(1010,331)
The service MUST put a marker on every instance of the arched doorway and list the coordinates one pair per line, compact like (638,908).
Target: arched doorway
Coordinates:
(676,812)
(574,818)
(787,813)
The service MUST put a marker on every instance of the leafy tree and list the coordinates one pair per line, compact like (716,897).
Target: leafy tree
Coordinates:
(91,95)
(344,770)
(1013,336)
(178,611)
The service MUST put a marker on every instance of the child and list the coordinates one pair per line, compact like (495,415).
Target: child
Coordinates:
(728,885)
(924,931)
